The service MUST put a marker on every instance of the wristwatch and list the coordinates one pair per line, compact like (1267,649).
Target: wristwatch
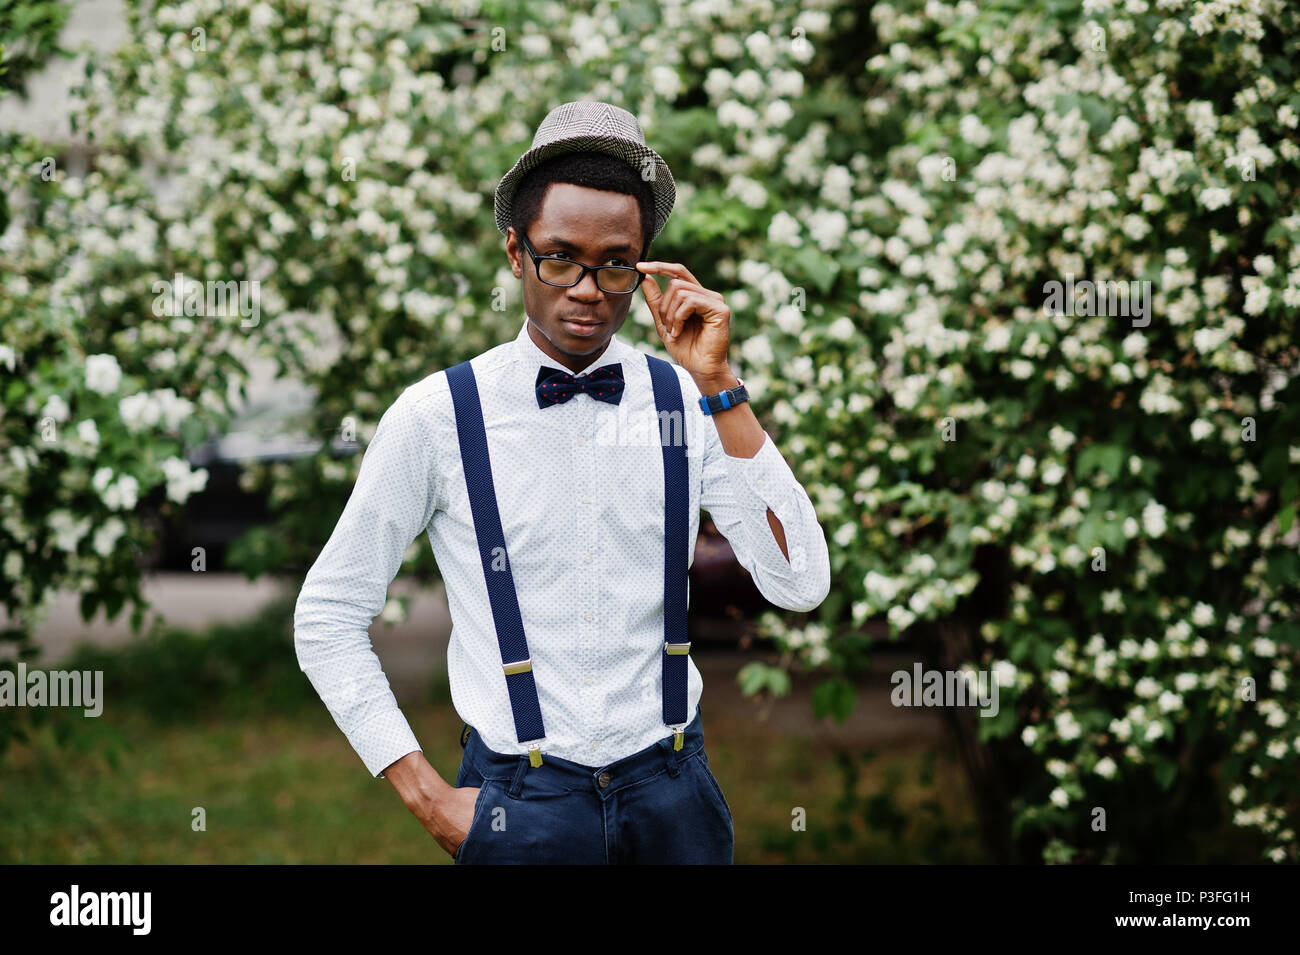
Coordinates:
(723,400)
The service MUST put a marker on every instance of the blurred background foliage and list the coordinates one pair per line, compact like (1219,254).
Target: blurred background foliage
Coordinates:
(882,192)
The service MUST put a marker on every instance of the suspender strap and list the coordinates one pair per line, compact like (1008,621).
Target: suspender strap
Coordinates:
(472,434)
(672,438)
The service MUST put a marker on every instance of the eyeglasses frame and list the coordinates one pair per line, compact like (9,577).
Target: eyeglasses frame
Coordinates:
(537,264)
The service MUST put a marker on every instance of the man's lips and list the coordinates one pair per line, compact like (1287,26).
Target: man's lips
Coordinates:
(583,328)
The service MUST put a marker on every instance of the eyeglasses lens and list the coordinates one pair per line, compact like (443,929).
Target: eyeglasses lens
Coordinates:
(609,279)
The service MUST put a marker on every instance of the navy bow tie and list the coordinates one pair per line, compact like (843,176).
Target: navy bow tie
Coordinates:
(555,386)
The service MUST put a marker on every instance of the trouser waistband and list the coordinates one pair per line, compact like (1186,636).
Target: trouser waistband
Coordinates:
(649,761)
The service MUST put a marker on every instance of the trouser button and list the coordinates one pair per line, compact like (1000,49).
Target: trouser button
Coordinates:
(602,780)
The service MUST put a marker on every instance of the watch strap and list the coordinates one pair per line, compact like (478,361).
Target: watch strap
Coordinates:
(711,404)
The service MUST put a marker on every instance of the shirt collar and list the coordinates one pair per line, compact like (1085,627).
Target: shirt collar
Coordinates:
(533,358)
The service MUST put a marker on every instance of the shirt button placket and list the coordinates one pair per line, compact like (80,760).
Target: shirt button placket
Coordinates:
(586,538)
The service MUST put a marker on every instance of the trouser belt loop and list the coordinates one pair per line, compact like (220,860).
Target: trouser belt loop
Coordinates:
(670,756)
(517,783)
(464,734)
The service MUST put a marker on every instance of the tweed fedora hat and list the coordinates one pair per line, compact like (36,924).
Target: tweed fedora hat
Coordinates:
(587,126)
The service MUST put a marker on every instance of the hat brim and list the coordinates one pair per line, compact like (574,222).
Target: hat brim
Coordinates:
(642,158)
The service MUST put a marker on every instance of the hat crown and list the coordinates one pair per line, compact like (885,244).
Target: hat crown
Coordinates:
(590,125)
(588,118)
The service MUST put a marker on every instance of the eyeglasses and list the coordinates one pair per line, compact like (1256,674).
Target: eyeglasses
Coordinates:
(566,273)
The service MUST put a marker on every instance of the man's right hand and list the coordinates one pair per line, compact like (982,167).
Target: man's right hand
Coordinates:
(444,810)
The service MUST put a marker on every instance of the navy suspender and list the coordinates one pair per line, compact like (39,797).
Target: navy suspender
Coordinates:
(520,684)
(672,439)
(525,706)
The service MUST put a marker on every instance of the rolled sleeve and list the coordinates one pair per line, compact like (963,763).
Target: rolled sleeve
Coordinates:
(737,494)
(392,502)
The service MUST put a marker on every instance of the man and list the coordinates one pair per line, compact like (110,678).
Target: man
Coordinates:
(564,533)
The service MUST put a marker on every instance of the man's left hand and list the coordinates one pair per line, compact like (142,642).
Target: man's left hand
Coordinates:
(694,322)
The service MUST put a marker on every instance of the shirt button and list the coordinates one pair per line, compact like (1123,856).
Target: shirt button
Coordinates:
(586,558)
(586,681)
(587,615)
(602,780)
(586,499)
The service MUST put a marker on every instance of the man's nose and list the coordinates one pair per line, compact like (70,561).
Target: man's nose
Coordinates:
(586,290)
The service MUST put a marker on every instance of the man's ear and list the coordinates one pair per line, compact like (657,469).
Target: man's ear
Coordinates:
(514,253)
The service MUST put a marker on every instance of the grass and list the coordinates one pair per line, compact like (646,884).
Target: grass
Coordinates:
(226,726)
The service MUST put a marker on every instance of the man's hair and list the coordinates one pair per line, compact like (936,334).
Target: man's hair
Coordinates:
(590,169)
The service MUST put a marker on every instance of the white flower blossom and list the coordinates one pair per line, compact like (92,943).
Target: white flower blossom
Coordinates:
(103,374)
(68,531)
(106,536)
(1147,687)
(1066,726)
(1153,519)
(56,408)
(784,230)
(181,480)
(121,495)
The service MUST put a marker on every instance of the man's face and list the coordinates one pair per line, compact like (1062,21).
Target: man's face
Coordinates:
(590,226)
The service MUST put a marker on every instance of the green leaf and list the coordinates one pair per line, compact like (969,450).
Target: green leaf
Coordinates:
(89,604)
(113,603)
(1165,770)
(1108,457)
(829,611)
(1000,725)
(778,681)
(752,678)
(819,269)
(1283,568)
(1285,518)
(835,698)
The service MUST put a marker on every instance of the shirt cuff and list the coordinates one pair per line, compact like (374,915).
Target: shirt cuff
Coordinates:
(383,740)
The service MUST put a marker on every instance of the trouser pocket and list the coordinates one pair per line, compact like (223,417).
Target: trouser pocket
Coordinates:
(701,764)
(468,776)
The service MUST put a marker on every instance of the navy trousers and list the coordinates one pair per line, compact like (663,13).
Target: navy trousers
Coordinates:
(660,806)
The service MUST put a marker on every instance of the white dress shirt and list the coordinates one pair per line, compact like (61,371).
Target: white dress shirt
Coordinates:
(580,488)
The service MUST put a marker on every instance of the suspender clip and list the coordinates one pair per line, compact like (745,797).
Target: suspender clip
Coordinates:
(535,753)
(677,649)
(678,737)
(519,666)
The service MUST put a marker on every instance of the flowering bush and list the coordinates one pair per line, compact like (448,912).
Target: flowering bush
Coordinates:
(1101,502)
(79,447)
(82,448)
(1136,478)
